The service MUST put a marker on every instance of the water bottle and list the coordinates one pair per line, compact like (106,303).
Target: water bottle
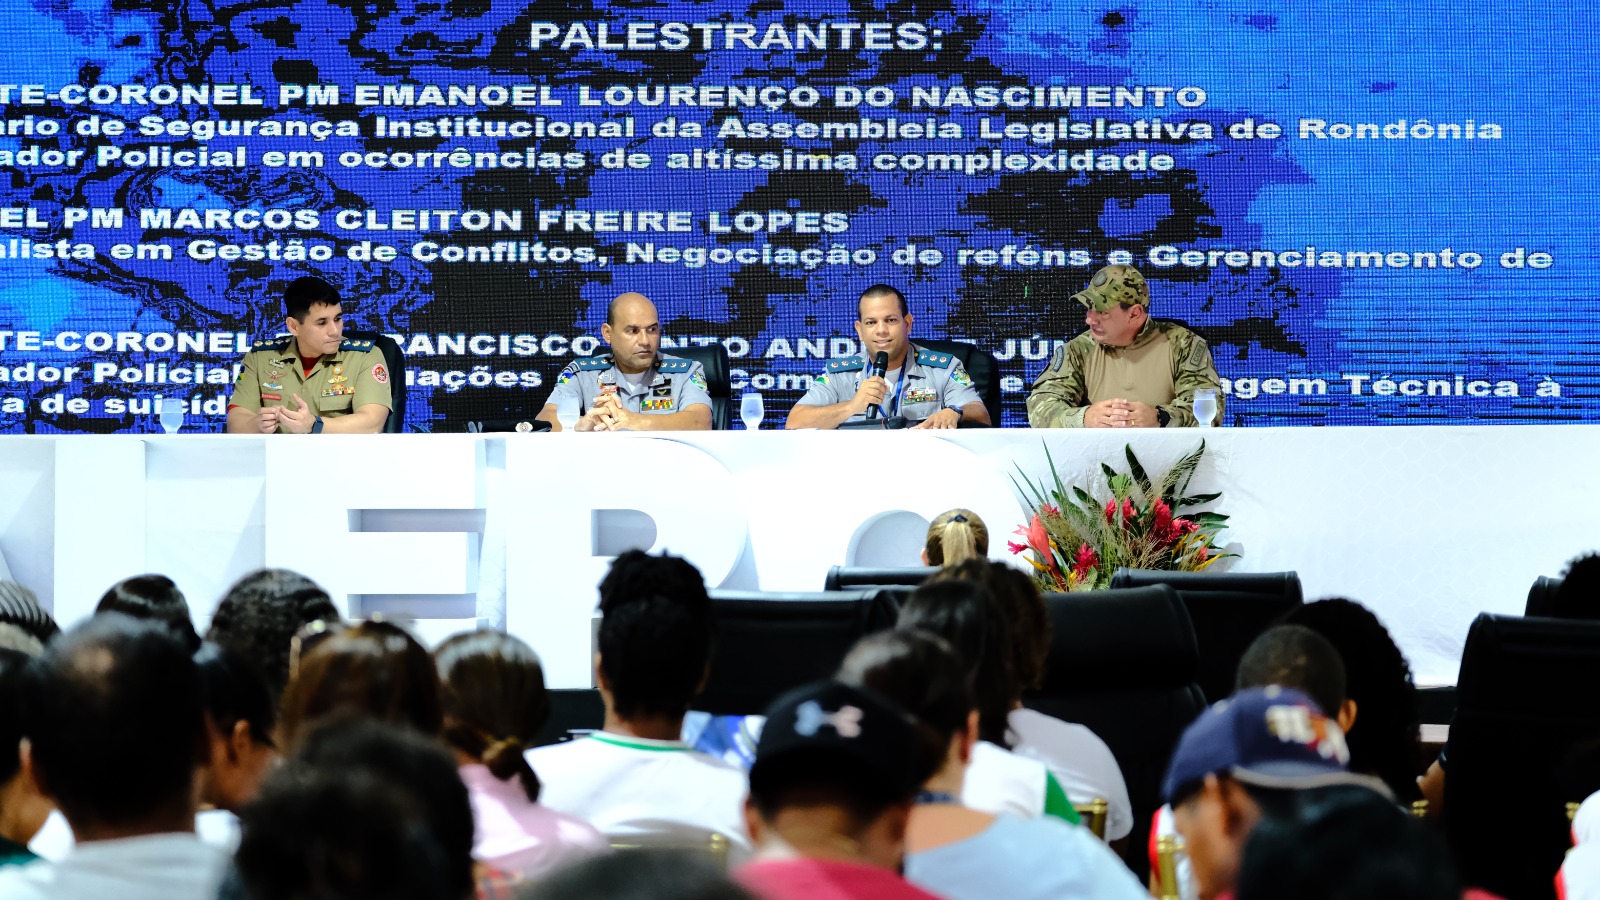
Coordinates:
(1205,407)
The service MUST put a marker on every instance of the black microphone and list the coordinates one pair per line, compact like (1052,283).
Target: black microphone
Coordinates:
(880,368)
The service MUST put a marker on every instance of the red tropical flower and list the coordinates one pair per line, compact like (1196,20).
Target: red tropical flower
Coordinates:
(1015,547)
(1162,527)
(1084,561)
(1111,510)
(1127,511)
(1050,509)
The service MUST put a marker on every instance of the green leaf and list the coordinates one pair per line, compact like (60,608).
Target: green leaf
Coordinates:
(1195,500)
(1137,471)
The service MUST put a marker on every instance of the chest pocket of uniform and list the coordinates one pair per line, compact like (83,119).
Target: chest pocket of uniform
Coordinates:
(340,403)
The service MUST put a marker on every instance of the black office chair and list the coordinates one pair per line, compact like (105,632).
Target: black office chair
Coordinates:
(980,365)
(854,578)
(395,361)
(769,642)
(1285,584)
(719,383)
(1228,610)
(1124,663)
(1542,597)
(1522,746)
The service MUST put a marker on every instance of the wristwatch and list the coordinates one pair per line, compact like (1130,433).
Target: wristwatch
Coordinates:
(316,425)
(957,411)
(1162,417)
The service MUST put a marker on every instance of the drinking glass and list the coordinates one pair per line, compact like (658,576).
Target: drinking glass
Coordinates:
(567,413)
(171,414)
(751,411)
(1205,407)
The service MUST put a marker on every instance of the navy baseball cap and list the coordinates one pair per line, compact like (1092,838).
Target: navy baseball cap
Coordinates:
(848,722)
(1272,737)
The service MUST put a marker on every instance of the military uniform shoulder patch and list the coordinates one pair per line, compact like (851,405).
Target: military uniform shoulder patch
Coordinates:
(674,366)
(593,363)
(934,359)
(846,364)
(275,343)
(353,344)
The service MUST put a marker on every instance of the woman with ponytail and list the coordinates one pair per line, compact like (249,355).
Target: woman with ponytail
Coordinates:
(955,536)
(494,703)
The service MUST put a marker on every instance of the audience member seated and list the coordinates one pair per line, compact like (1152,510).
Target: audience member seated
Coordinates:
(366,812)
(635,776)
(260,615)
(1384,736)
(831,791)
(153,597)
(969,617)
(955,536)
(412,763)
(240,721)
(1578,597)
(1249,757)
(1076,756)
(1579,878)
(1294,656)
(22,807)
(369,670)
(1289,656)
(961,853)
(650,874)
(494,702)
(19,607)
(1349,843)
(115,724)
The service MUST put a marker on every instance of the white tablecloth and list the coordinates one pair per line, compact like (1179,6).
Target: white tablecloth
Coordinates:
(1427,525)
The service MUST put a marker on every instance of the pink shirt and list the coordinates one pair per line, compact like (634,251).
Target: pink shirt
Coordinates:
(522,838)
(825,879)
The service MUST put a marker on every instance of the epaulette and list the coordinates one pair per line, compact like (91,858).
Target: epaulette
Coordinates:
(353,344)
(274,343)
(593,363)
(933,358)
(674,366)
(846,364)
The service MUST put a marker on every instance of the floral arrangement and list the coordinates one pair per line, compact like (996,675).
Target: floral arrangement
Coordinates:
(1076,540)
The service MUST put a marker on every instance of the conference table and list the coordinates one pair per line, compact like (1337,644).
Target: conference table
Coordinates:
(1427,525)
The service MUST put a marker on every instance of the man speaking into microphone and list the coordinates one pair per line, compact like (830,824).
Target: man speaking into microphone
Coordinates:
(892,377)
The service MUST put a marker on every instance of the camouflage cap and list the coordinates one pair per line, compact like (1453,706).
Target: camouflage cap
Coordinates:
(1114,286)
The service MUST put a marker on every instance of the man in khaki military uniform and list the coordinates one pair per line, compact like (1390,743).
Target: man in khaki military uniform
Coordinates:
(1128,370)
(314,380)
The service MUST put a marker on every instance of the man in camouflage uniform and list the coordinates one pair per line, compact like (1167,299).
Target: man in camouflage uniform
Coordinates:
(1128,370)
(636,387)
(924,386)
(313,380)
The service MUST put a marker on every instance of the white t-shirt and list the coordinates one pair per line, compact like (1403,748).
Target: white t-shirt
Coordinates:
(151,867)
(628,786)
(999,781)
(216,827)
(1161,826)
(1081,762)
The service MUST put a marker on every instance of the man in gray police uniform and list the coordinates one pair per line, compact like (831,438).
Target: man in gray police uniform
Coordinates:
(635,387)
(924,386)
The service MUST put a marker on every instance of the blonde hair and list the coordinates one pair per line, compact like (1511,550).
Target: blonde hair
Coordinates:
(955,536)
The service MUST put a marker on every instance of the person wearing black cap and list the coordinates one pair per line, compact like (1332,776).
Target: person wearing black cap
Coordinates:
(831,792)
(1245,758)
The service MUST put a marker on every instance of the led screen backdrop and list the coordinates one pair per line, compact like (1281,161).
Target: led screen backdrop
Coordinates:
(1376,213)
